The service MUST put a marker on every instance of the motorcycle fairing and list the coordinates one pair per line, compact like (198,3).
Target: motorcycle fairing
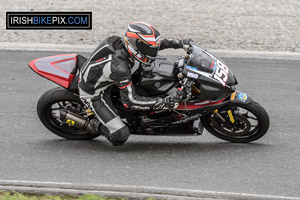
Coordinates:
(235,98)
(59,68)
(202,63)
(197,105)
(240,98)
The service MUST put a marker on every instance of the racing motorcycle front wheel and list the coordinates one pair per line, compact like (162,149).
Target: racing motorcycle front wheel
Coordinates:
(241,124)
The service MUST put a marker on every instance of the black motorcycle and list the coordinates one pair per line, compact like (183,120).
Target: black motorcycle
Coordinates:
(208,86)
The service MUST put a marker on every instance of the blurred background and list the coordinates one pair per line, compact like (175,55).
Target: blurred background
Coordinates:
(270,25)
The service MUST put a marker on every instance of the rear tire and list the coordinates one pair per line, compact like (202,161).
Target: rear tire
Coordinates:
(262,126)
(44,109)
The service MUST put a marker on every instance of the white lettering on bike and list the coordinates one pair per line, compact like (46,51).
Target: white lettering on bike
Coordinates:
(192,75)
(140,108)
(221,73)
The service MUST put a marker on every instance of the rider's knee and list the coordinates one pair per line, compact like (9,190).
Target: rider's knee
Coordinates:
(120,136)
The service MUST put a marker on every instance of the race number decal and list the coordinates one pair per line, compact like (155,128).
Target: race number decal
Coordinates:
(221,73)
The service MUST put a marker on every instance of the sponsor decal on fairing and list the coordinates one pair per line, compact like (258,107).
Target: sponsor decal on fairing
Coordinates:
(242,97)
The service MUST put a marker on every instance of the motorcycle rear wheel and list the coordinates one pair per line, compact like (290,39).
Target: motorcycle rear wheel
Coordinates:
(246,128)
(48,108)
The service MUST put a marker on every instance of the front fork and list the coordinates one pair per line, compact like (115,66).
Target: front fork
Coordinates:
(235,98)
(229,112)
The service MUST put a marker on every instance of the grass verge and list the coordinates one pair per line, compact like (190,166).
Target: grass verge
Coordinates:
(27,196)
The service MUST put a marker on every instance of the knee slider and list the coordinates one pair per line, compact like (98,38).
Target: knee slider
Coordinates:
(120,136)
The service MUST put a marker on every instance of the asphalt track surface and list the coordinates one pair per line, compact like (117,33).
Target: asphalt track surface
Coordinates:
(270,166)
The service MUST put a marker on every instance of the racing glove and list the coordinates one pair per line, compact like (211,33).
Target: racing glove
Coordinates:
(186,41)
(175,43)
(166,103)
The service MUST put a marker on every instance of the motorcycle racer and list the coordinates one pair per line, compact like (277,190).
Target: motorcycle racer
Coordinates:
(110,64)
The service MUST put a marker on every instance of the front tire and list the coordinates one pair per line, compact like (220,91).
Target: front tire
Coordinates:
(248,132)
(48,108)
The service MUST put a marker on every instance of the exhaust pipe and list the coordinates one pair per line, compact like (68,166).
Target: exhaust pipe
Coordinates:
(73,119)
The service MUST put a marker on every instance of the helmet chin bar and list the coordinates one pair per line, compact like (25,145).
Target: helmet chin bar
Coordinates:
(139,58)
(136,54)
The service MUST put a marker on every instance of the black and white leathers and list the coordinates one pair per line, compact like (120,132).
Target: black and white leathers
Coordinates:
(111,64)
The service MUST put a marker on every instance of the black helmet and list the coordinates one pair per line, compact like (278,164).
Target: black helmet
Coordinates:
(142,42)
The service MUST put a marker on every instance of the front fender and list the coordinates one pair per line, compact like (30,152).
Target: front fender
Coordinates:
(240,98)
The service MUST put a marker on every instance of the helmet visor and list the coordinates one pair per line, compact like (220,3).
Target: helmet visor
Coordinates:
(147,49)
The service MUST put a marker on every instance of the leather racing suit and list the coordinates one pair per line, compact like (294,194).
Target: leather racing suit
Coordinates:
(110,64)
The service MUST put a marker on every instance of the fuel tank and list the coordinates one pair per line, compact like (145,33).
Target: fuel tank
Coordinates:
(158,78)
